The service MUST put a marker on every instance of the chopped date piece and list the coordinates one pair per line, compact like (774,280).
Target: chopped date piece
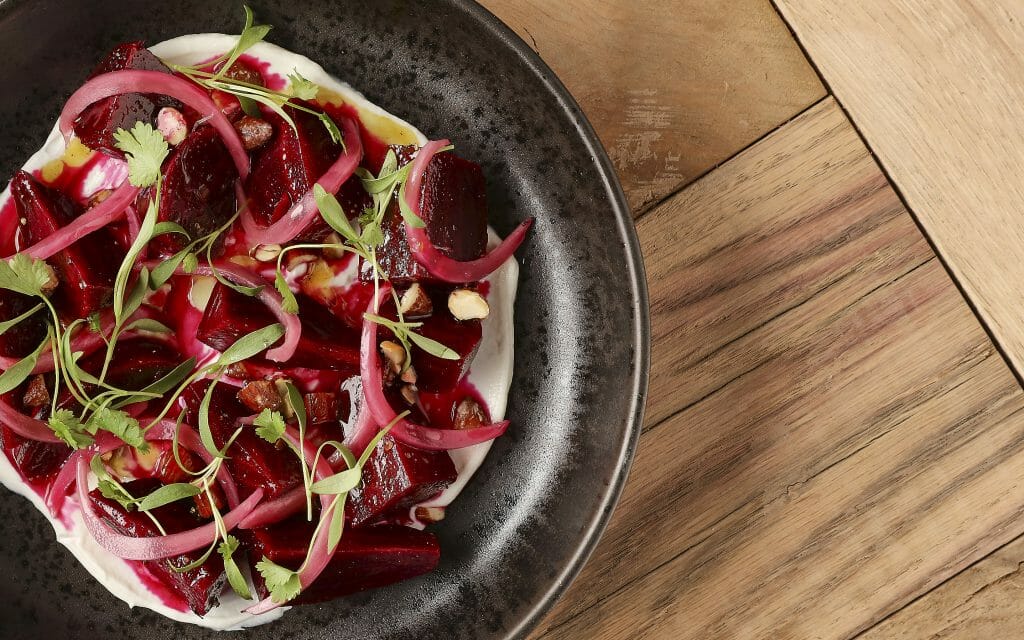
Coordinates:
(469,415)
(201,587)
(322,407)
(254,132)
(365,558)
(36,393)
(87,268)
(198,190)
(254,463)
(326,343)
(288,166)
(96,125)
(259,395)
(395,478)
(244,72)
(454,209)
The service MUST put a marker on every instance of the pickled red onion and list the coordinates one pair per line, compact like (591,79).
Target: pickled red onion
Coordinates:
(96,218)
(303,212)
(412,434)
(138,81)
(267,295)
(319,557)
(153,548)
(25,426)
(428,255)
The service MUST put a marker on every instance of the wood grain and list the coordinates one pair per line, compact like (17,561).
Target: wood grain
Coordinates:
(984,601)
(937,88)
(673,88)
(831,431)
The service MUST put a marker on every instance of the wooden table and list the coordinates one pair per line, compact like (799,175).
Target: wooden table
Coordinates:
(830,201)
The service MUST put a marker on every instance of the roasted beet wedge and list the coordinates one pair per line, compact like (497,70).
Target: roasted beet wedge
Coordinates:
(97,124)
(327,342)
(202,586)
(254,463)
(136,363)
(454,208)
(198,189)
(463,336)
(287,167)
(21,339)
(86,269)
(37,461)
(366,558)
(395,478)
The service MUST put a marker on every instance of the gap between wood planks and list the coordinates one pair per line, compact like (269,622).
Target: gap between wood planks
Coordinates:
(949,271)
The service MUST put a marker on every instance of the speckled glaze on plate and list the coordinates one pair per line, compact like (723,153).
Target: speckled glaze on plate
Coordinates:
(522,529)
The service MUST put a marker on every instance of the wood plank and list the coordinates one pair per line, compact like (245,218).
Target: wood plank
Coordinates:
(851,437)
(936,86)
(982,602)
(673,95)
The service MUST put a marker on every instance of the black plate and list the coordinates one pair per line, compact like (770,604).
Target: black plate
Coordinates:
(520,532)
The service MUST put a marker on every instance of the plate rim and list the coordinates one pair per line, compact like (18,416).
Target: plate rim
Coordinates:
(637,277)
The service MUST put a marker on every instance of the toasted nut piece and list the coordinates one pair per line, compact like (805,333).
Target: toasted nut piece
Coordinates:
(267,252)
(333,252)
(429,515)
(395,355)
(469,415)
(172,125)
(36,394)
(99,197)
(408,392)
(254,132)
(259,395)
(281,384)
(466,304)
(409,375)
(415,303)
(51,280)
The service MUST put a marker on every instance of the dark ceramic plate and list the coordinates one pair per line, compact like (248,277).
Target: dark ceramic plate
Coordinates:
(523,528)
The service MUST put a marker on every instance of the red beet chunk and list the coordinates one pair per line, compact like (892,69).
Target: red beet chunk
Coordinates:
(97,124)
(136,363)
(326,343)
(201,587)
(198,190)
(253,462)
(36,461)
(395,478)
(87,268)
(365,559)
(21,339)
(454,208)
(288,166)
(435,374)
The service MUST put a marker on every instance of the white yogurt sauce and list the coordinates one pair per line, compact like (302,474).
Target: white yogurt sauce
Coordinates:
(491,372)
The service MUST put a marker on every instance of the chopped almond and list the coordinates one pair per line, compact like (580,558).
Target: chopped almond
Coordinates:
(408,392)
(466,304)
(172,125)
(429,515)
(394,354)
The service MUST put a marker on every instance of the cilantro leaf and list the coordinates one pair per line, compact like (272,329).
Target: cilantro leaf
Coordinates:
(270,425)
(118,423)
(110,488)
(66,425)
(145,149)
(26,275)
(302,88)
(251,34)
(283,583)
(235,578)
(288,301)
